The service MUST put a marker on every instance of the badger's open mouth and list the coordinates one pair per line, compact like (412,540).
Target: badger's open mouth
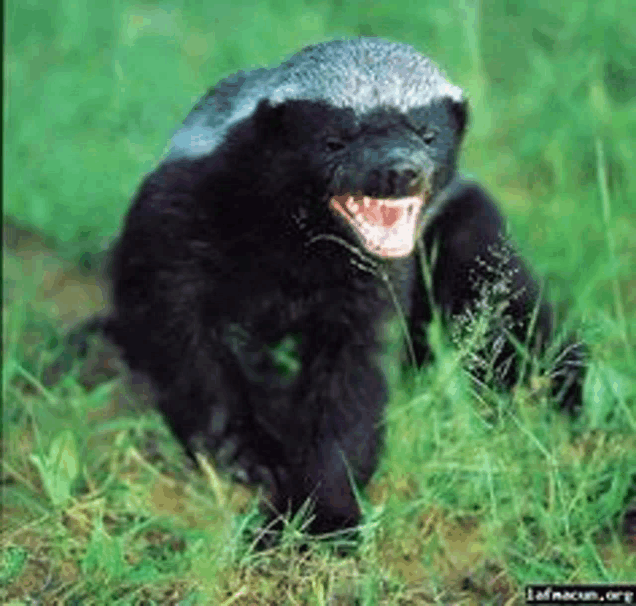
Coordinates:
(386,226)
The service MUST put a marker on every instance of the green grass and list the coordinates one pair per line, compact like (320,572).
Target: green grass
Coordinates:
(475,495)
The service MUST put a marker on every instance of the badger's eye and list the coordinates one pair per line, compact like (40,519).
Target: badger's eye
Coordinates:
(334,144)
(428,135)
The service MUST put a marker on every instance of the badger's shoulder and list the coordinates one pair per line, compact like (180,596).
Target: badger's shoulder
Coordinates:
(228,102)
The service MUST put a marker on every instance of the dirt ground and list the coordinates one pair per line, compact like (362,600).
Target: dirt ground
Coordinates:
(59,295)
(32,266)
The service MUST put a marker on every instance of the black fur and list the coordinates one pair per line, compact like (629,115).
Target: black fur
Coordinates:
(227,253)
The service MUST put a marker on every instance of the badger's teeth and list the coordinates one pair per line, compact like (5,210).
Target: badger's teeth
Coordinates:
(367,201)
(351,204)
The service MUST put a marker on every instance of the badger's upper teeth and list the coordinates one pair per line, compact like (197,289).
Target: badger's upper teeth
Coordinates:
(367,201)
(351,205)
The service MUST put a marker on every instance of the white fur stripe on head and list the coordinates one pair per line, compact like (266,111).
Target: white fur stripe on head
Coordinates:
(361,74)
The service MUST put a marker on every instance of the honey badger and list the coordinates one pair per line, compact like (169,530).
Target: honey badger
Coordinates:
(303,202)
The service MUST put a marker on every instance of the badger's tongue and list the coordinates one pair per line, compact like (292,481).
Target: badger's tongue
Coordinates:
(380,213)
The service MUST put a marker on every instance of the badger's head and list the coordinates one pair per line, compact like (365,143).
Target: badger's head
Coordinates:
(360,133)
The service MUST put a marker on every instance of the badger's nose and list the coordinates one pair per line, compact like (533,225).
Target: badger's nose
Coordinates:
(405,178)
(397,179)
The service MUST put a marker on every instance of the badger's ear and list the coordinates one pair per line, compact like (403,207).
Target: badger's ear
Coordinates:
(266,109)
(265,112)
(458,111)
(269,118)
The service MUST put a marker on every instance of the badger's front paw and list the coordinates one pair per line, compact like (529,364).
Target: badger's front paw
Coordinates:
(238,448)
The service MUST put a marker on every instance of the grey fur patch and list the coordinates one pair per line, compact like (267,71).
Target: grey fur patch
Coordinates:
(361,74)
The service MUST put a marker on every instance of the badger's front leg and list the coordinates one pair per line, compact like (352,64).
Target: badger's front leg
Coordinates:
(338,420)
(478,278)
